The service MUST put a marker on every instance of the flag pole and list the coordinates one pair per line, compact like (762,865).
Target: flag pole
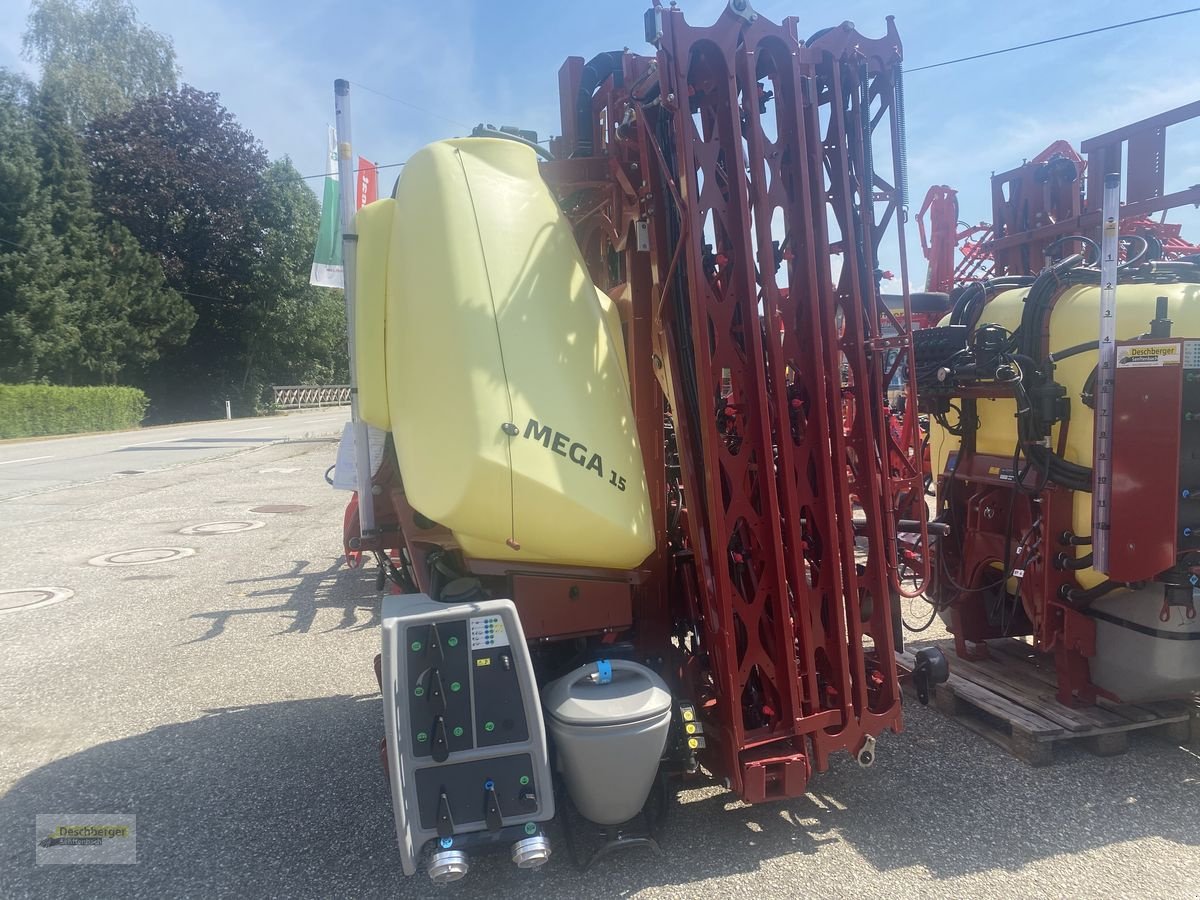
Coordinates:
(348,193)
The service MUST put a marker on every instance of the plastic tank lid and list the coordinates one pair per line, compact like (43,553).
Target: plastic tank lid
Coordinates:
(635,694)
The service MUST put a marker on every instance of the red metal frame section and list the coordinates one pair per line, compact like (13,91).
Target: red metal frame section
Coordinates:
(744,155)
(947,234)
(1054,194)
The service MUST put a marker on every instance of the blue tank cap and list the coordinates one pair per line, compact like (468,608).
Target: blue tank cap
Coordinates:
(446,843)
(603,671)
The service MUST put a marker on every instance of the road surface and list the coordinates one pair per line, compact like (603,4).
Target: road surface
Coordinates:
(32,466)
(186,646)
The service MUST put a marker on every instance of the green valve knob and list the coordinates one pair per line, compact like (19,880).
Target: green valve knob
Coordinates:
(453,642)
(524,780)
(416,646)
(530,827)
(418,691)
(422,737)
(458,732)
(455,686)
(489,726)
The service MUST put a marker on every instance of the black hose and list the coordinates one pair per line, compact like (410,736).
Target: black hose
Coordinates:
(1074,564)
(1030,428)
(1133,260)
(1077,597)
(598,69)
(1054,245)
(968,306)
(1060,355)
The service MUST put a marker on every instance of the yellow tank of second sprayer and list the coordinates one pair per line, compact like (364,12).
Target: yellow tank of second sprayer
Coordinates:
(506,387)
(1075,319)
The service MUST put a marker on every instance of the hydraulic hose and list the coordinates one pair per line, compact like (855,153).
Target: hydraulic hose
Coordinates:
(1029,427)
(597,70)
(969,304)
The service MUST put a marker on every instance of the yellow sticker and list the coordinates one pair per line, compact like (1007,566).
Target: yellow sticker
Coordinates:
(483,661)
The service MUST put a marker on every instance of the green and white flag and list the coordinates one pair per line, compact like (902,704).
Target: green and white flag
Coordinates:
(327,260)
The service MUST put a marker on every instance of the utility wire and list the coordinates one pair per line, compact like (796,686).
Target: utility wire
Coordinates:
(1053,40)
(428,112)
(325,174)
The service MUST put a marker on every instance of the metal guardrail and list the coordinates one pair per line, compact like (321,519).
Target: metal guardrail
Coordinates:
(309,396)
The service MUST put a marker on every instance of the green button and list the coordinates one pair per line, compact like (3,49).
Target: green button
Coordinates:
(422,737)
(530,827)
(416,646)
(458,731)
(453,642)
(455,686)
(524,779)
(418,691)
(489,726)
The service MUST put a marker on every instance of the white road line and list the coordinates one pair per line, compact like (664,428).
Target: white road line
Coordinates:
(249,430)
(148,443)
(9,462)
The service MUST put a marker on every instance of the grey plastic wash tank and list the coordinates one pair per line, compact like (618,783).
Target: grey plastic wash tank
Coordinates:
(609,721)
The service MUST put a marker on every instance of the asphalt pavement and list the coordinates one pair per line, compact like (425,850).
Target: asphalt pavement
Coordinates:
(188,647)
(32,466)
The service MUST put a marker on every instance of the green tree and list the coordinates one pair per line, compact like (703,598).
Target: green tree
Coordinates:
(234,235)
(34,300)
(80,302)
(101,53)
(296,333)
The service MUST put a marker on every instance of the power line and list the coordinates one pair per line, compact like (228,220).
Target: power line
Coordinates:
(1053,40)
(428,112)
(326,174)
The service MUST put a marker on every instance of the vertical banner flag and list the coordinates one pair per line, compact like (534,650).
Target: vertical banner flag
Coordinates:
(368,182)
(327,260)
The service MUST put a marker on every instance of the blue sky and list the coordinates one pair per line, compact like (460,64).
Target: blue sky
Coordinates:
(273,63)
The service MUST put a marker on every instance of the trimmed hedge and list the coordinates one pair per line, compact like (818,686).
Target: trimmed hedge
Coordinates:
(29,410)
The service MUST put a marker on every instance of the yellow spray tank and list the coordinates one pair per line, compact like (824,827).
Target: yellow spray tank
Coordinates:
(501,370)
(1074,320)
(1127,661)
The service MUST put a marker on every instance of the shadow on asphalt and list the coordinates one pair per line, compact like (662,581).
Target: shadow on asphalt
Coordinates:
(288,799)
(302,596)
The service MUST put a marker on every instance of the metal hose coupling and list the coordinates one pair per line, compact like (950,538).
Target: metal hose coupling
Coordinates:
(446,866)
(531,852)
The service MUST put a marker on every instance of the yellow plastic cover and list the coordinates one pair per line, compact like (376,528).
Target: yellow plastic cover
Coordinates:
(506,383)
(374,226)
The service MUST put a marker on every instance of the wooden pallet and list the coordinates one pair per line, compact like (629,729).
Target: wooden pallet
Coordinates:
(1009,698)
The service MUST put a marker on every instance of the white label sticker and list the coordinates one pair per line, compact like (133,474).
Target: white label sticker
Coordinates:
(1018,573)
(488,632)
(1133,356)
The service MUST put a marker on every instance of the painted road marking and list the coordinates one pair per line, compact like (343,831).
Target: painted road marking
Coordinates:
(148,443)
(249,430)
(9,462)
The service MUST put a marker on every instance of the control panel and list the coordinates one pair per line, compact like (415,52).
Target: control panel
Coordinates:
(466,743)
(1189,450)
